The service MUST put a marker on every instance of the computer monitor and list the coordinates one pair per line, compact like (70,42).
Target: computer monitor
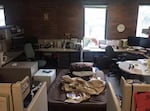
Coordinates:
(18,43)
(133,41)
(145,42)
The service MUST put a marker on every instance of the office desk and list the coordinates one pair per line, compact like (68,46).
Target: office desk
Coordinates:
(57,50)
(74,50)
(66,56)
(139,68)
(60,57)
(102,50)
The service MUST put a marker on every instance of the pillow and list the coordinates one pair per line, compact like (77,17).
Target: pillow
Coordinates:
(81,66)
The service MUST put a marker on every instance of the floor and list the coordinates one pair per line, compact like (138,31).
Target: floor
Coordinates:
(114,80)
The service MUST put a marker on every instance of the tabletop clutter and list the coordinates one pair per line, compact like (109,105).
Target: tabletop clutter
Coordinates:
(81,85)
(144,62)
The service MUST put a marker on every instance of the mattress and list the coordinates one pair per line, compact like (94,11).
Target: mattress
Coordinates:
(56,97)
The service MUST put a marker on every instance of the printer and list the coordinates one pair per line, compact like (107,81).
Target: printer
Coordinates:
(15,96)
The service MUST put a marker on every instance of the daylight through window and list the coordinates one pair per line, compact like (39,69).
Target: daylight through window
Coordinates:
(143,20)
(94,25)
(2,16)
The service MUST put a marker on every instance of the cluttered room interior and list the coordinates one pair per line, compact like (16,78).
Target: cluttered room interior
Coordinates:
(74,55)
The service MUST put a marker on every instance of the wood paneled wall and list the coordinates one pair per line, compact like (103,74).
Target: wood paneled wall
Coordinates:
(48,19)
(125,13)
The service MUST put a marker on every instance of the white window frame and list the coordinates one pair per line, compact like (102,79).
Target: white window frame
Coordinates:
(102,23)
(2,16)
(142,24)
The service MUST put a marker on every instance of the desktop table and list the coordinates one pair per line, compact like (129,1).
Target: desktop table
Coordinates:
(135,67)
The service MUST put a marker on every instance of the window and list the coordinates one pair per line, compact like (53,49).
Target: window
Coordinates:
(2,16)
(143,20)
(94,25)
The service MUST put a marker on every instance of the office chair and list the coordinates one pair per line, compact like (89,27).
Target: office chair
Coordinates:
(30,55)
(109,51)
(105,62)
(112,60)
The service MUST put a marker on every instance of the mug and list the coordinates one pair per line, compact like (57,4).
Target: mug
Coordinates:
(3,58)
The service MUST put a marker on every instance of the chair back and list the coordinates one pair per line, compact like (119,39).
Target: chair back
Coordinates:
(109,52)
(29,51)
(128,90)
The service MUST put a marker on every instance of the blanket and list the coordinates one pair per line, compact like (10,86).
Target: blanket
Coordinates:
(78,89)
